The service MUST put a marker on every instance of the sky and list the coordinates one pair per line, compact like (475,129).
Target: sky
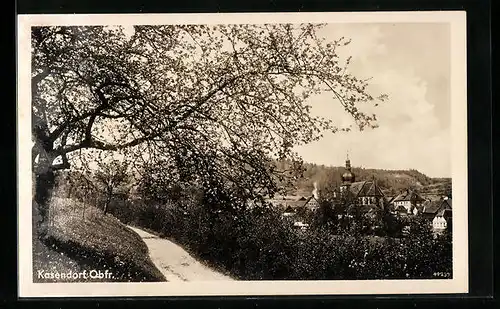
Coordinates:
(411,64)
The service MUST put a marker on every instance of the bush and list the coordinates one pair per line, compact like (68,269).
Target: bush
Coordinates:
(258,244)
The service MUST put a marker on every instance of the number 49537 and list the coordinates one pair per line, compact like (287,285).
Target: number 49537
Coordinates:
(441,274)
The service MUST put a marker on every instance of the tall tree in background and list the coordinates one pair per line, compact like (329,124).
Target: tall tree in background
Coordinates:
(217,103)
(111,177)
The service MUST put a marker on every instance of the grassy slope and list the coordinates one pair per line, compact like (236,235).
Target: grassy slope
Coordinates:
(78,240)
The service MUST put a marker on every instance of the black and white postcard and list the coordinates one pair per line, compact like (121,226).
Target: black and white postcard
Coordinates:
(242,154)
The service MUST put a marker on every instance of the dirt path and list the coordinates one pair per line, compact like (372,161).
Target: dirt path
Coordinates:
(174,262)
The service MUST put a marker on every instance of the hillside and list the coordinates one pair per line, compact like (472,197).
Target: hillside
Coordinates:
(80,237)
(391,181)
(440,187)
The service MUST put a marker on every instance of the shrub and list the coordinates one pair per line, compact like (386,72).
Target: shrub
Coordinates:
(258,244)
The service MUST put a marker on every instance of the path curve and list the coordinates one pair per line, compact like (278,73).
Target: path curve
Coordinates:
(174,262)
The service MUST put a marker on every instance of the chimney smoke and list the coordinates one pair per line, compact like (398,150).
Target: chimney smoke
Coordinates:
(315,190)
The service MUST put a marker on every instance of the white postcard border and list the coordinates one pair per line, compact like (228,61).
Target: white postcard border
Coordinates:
(459,283)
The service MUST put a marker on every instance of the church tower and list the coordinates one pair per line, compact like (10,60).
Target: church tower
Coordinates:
(348,177)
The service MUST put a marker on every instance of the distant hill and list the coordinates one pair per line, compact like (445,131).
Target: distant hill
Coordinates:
(440,187)
(391,181)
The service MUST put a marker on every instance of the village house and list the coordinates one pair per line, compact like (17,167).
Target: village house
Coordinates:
(300,225)
(312,203)
(439,213)
(291,204)
(297,208)
(408,202)
(289,211)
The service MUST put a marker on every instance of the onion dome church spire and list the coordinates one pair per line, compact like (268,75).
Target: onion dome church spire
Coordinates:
(348,176)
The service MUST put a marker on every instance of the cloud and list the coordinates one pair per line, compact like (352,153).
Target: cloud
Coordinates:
(411,133)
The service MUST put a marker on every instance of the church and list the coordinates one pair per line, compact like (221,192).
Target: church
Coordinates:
(364,193)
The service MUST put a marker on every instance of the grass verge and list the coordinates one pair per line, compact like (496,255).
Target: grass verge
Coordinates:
(80,237)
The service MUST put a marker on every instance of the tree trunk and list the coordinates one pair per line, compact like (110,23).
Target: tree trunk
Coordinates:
(70,189)
(108,200)
(44,173)
(44,183)
(106,207)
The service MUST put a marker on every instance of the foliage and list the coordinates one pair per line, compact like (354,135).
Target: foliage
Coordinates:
(259,244)
(111,178)
(203,113)
(75,185)
(214,103)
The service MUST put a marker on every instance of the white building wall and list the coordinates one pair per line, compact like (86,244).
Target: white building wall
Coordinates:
(439,223)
